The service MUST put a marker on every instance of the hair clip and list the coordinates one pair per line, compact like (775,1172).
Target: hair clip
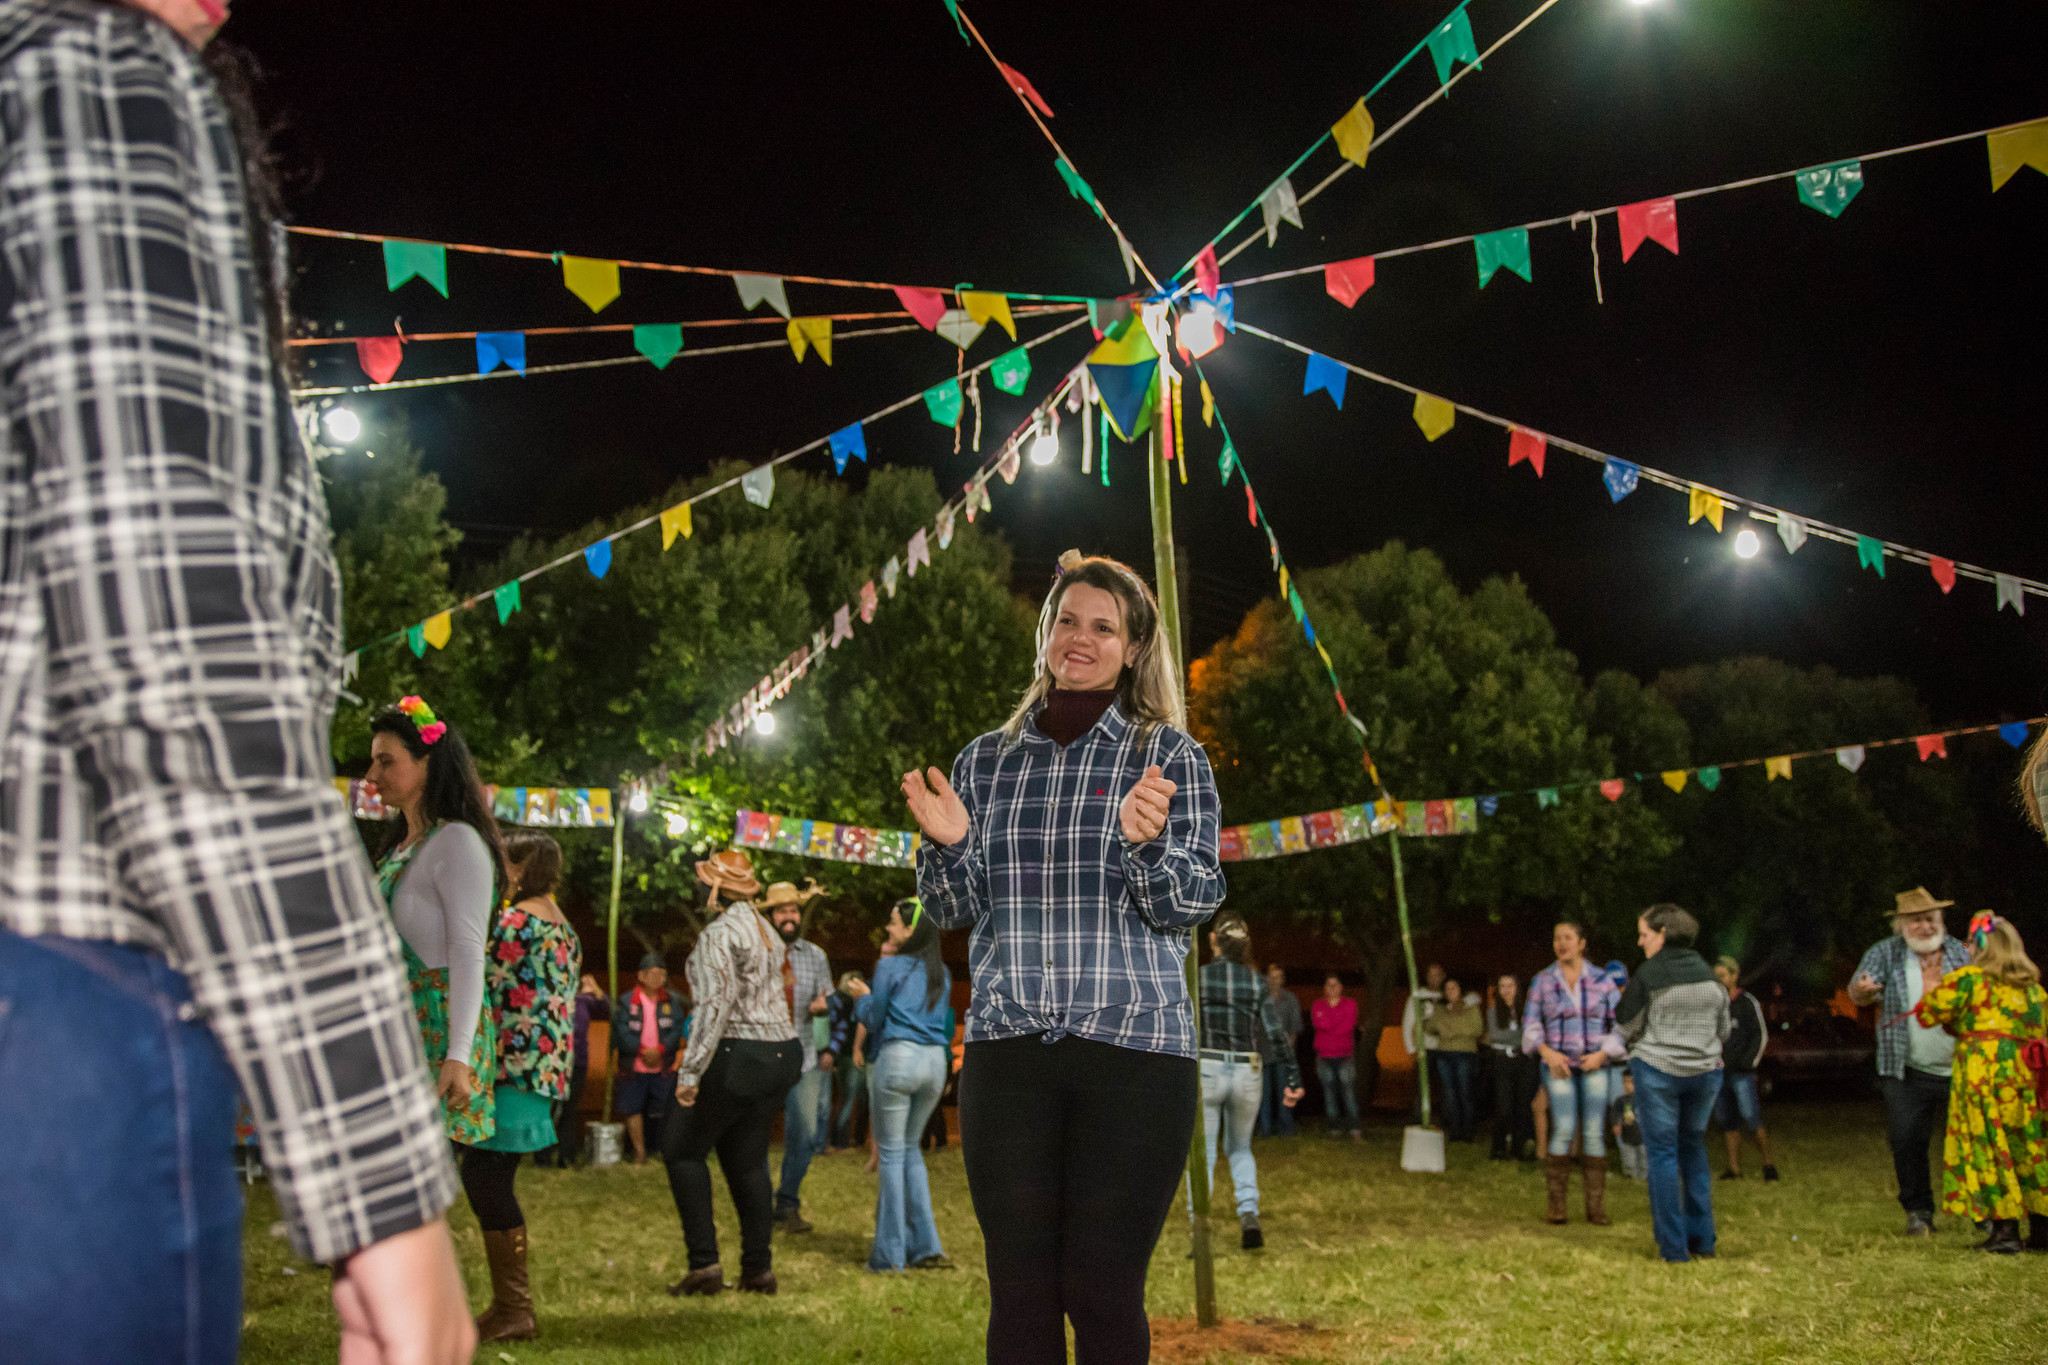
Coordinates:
(1981,925)
(423,719)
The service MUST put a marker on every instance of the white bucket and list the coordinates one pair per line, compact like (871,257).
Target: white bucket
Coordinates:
(1422,1149)
(608,1144)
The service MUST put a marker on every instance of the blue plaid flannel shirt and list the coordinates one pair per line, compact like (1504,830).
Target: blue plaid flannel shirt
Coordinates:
(1077,930)
(1886,961)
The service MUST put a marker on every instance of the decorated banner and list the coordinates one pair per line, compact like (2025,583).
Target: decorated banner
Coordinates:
(1347,825)
(563,807)
(824,839)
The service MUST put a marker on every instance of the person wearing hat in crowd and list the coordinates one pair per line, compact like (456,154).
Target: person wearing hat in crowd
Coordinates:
(649,1024)
(807,984)
(737,1068)
(1913,1058)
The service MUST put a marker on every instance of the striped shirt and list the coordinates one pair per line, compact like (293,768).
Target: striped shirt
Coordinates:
(735,976)
(169,619)
(1572,1020)
(1076,929)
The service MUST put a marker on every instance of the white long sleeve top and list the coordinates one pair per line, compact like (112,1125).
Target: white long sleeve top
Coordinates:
(443,911)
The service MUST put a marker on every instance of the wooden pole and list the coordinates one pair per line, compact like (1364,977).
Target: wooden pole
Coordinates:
(1414,983)
(612,934)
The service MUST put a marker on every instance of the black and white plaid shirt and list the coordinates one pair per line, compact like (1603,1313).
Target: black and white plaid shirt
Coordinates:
(1240,1015)
(169,619)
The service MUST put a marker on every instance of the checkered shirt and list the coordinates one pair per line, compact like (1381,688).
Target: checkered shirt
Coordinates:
(1240,1015)
(813,973)
(1887,962)
(169,619)
(1574,1022)
(1077,930)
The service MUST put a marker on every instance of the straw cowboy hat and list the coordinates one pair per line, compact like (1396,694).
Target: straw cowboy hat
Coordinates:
(1916,901)
(785,893)
(730,872)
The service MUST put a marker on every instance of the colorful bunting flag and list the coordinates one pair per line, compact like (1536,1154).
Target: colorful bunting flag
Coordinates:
(1931,746)
(1344,281)
(1545,796)
(1830,188)
(1279,205)
(1850,756)
(1024,87)
(890,573)
(1612,788)
(1078,187)
(848,442)
(1011,370)
(1792,531)
(1209,407)
(1870,554)
(926,305)
(1227,461)
(754,289)
(2016,147)
(436,629)
(506,598)
(1325,374)
(1353,133)
(1434,415)
(1710,778)
(943,524)
(1675,779)
(986,307)
(1208,275)
(675,521)
(1775,768)
(1123,247)
(1508,247)
(842,626)
(1656,219)
(1704,503)
(1123,371)
(1620,477)
(660,342)
(595,282)
(1526,445)
(1944,571)
(957,327)
(1489,805)
(759,485)
(2009,593)
(1452,42)
(807,332)
(416,640)
(598,558)
(943,402)
(428,260)
(500,348)
(1251,504)
(869,600)
(920,552)
(379,357)
(2014,733)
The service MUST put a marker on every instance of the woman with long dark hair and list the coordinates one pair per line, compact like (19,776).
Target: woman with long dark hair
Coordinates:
(440,868)
(530,989)
(1080,842)
(909,1056)
(1514,1074)
(1569,1027)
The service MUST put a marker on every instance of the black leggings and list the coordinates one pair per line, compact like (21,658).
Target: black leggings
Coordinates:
(737,1100)
(1073,1152)
(487,1180)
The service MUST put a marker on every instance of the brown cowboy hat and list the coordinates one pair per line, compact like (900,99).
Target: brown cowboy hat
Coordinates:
(785,893)
(1917,901)
(729,871)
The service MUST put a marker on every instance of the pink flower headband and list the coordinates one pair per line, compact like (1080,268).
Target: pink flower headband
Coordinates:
(422,716)
(1981,925)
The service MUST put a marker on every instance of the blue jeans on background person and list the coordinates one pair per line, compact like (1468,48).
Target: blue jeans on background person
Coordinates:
(1737,1109)
(854,1082)
(1275,1118)
(1673,1112)
(1460,1073)
(121,1236)
(907,1081)
(1578,1109)
(1339,1076)
(802,1136)
(1230,1101)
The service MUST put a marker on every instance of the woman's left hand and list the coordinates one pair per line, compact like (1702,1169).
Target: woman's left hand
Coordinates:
(456,1087)
(1290,1098)
(1145,807)
(1592,1061)
(856,988)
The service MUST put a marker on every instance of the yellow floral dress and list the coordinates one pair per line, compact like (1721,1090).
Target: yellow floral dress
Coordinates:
(1995,1156)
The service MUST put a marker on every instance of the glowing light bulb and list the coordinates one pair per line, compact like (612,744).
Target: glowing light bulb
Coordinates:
(1746,543)
(639,802)
(1045,447)
(342,425)
(677,823)
(764,723)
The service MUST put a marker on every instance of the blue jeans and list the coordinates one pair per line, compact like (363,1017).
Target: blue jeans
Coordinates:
(1578,1108)
(1275,1118)
(1460,1073)
(907,1080)
(1339,1076)
(1230,1102)
(120,1216)
(802,1136)
(1737,1110)
(1673,1113)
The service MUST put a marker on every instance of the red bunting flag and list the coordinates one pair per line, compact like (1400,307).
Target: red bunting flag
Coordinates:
(1656,219)
(926,305)
(1020,84)
(1526,445)
(1346,280)
(379,357)
(1931,746)
(1612,788)
(1251,504)
(1944,571)
(1208,275)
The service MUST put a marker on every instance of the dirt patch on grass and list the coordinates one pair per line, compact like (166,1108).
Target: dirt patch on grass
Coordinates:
(1178,1341)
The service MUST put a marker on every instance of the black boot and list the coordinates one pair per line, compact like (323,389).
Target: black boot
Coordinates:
(2037,1232)
(2005,1237)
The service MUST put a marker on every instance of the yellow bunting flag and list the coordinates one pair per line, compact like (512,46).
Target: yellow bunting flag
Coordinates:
(1775,768)
(1208,405)
(1675,779)
(987,308)
(805,332)
(2016,147)
(1434,415)
(1704,504)
(1354,134)
(437,628)
(675,521)
(1180,428)
(595,282)
(1283,582)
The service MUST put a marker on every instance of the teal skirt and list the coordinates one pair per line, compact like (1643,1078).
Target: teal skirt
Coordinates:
(526,1122)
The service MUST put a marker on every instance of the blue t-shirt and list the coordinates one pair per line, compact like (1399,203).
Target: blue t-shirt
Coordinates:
(894,1009)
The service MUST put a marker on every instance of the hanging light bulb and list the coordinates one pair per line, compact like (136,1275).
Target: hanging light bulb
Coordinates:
(1045,447)
(764,722)
(1746,543)
(639,802)
(342,425)
(677,824)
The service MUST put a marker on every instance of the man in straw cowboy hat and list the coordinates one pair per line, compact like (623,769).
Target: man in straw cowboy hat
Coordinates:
(740,1061)
(807,985)
(1912,1061)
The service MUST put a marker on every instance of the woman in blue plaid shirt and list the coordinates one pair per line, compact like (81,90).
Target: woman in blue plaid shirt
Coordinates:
(1080,842)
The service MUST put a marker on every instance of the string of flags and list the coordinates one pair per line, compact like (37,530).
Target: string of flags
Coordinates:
(1828,188)
(1435,415)
(825,839)
(561,807)
(757,485)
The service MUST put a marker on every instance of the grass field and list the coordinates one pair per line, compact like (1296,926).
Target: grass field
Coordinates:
(1386,1266)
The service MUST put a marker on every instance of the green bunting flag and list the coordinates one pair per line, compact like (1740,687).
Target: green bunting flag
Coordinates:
(428,260)
(1710,778)
(507,599)
(943,402)
(1870,554)
(1545,796)
(1227,461)
(1509,248)
(1076,186)
(659,342)
(1011,370)
(1452,42)
(416,638)
(1830,188)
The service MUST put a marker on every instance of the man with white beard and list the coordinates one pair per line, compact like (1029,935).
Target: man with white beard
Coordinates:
(1912,1061)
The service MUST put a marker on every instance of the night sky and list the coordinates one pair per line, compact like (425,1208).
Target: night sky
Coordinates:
(1882,371)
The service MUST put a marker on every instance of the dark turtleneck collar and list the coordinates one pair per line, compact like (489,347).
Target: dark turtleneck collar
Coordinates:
(1066,716)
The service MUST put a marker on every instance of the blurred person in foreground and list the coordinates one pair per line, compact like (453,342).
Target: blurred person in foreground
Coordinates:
(187,907)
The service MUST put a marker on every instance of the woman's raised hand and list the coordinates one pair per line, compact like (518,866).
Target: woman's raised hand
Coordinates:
(1144,809)
(937,807)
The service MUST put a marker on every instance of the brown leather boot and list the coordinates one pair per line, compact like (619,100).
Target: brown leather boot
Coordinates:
(1594,1168)
(707,1281)
(510,1316)
(1557,1174)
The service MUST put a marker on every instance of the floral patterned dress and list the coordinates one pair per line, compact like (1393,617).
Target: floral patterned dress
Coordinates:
(1995,1156)
(530,975)
(476,1121)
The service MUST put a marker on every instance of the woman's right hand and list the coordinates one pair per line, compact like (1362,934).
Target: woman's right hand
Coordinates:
(455,1087)
(1559,1064)
(856,988)
(936,807)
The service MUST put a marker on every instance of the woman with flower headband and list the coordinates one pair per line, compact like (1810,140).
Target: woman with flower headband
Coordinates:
(1995,1155)
(440,869)
(909,1056)
(1080,842)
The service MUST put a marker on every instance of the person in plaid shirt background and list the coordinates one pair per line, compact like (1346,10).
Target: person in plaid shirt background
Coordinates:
(185,904)
(1080,842)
